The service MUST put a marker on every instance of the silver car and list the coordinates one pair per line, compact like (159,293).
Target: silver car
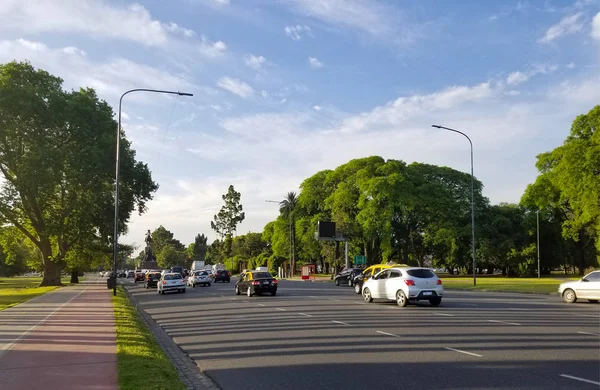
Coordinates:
(171,282)
(587,287)
(199,277)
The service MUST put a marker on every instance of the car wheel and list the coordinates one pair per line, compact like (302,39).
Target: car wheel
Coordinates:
(337,282)
(569,296)
(183,291)
(350,283)
(401,299)
(273,293)
(367,295)
(237,290)
(249,292)
(593,300)
(357,288)
(435,301)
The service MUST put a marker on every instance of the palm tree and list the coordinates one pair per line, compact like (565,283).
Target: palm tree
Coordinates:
(286,208)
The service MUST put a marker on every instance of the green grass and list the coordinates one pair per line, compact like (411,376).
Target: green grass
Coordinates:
(20,289)
(503,284)
(141,361)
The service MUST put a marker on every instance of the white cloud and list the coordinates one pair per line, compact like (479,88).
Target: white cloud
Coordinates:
(254,62)
(264,94)
(375,19)
(571,65)
(596,26)
(315,63)
(568,25)
(236,87)
(109,78)
(317,108)
(175,28)
(296,32)
(96,18)
(212,49)
(516,78)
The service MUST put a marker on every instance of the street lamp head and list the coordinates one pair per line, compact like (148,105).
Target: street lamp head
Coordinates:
(184,94)
(437,126)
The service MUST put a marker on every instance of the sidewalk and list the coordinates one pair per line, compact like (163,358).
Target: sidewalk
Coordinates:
(62,340)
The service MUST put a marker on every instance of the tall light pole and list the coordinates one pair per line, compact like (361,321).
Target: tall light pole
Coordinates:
(116,229)
(472,198)
(537,213)
(289,235)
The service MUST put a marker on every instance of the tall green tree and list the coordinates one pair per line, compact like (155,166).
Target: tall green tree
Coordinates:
(226,221)
(57,159)
(200,247)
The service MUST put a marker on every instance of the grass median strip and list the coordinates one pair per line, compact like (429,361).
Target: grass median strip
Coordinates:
(141,361)
(518,285)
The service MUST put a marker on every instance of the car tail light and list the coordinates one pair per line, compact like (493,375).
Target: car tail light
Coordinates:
(164,282)
(409,282)
(182,280)
(274,281)
(228,273)
(439,282)
(255,283)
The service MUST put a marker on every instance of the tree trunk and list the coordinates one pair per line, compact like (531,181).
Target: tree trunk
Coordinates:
(74,275)
(581,252)
(51,273)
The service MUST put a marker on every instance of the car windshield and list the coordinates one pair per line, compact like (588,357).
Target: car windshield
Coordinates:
(172,276)
(261,275)
(421,273)
(201,273)
(155,275)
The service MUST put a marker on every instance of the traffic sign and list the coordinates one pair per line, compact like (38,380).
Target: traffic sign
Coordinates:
(360,260)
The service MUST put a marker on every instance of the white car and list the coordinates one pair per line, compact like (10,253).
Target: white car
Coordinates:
(587,287)
(171,282)
(199,277)
(404,285)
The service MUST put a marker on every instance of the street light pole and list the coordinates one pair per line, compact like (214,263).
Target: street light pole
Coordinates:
(537,213)
(116,228)
(472,198)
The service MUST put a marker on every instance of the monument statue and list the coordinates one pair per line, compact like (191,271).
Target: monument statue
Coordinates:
(149,261)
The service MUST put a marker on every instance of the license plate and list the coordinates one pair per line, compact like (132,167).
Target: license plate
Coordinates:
(427,293)
(265,282)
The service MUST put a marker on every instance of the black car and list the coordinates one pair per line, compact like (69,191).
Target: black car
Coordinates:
(256,283)
(152,279)
(223,276)
(347,276)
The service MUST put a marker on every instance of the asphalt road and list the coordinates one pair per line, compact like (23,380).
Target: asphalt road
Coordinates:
(314,335)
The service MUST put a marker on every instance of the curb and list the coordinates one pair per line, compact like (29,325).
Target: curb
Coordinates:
(189,372)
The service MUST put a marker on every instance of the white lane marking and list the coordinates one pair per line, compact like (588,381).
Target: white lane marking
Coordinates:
(504,322)
(261,304)
(246,301)
(360,303)
(465,352)
(312,296)
(10,345)
(589,334)
(444,314)
(279,309)
(340,322)
(305,315)
(520,309)
(387,334)
(331,299)
(213,294)
(589,315)
(580,379)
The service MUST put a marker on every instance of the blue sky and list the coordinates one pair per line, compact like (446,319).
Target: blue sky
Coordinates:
(285,88)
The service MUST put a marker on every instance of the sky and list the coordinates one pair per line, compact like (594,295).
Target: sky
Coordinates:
(286,88)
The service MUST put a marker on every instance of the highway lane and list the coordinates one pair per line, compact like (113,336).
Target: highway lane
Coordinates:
(318,336)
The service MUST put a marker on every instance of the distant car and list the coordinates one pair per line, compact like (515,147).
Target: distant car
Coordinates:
(347,276)
(587,287)
(404,285)
(152,279)
(256,283)
(171,282)
(367,274)
(222,276)
(122,274)
(130,274)
(199,277)
(178,270)
(139,277)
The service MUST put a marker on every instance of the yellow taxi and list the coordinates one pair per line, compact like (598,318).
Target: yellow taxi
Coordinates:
(368,274)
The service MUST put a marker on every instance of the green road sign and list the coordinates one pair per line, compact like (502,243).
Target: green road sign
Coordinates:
(360,260)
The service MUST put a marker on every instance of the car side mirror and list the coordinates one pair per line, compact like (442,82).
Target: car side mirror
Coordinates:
(584,280)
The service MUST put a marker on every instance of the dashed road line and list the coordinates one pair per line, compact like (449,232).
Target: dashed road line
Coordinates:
(387,334)
(504,322)
(305,315)
(465,352)
(444,314)
(262,304)
(360,303)
(246,301)
(312,296)
(340,322)
(580,379)
(589,334)
(280,309)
